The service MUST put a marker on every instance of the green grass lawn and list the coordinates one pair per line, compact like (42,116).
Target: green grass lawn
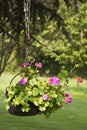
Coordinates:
(70,117)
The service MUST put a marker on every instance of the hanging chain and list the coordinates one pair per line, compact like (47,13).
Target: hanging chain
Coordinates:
(27,4)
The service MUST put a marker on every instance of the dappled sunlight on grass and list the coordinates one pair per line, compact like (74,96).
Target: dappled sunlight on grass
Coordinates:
(73,83)
(5,80)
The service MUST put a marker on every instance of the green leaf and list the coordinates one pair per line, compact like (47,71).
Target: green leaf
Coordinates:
(42,108)
(25,109)
(7,106)
(31,71)
(46,104)
(40,100)
(35,91)
(36,102)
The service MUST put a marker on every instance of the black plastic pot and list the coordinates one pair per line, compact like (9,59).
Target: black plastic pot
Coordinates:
(18,112)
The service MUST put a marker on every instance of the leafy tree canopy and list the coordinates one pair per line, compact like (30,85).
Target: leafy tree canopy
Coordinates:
(56,12)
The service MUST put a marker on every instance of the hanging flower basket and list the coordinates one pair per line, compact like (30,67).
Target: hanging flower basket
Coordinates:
(34,94)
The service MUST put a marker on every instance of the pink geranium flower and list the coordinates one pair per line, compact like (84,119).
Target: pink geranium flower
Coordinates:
(45,97)
(22,65)
(39,65)
(69,95)
(54,80)
(68,98)
(23,81)
(79,79)
(26,64)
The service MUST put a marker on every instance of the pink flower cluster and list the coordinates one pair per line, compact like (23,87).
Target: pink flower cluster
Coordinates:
(68,98)
(23,81)
(39,65)
(45,97)
(54,80)
(79,79)
(26,64)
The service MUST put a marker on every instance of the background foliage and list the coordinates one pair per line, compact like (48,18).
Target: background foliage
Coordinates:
(58,34)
